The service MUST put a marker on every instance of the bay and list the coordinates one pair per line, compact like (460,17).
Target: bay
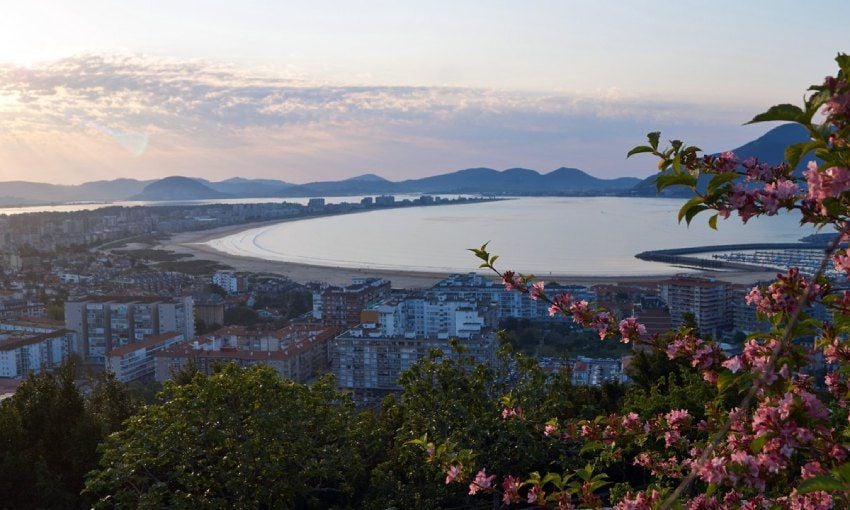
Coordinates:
(544,236)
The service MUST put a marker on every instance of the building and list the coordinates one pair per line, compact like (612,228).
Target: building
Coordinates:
(315,205)
(341,306)
(210,310)
(473,287)
(707,299)
(367,362)
(368,359)
(105,323)
(230,282)
(14,308)
(136,360)
(299,352)
(744,316)
(23,352)
(385,201)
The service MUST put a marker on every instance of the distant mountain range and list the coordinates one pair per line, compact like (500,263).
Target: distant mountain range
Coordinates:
(563,181)
(769,148)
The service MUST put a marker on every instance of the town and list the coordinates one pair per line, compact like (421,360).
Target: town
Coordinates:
(73,289)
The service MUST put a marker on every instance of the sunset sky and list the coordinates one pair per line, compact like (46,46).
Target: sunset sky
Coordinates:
(319,90)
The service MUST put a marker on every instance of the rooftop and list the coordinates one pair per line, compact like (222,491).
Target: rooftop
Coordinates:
(144,344)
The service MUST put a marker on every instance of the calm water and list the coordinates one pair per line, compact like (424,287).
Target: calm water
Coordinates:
(591,236)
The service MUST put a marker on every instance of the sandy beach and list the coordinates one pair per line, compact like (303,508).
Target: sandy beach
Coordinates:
(192,243)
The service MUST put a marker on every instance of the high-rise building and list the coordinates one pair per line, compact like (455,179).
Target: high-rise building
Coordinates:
(105,323)
(707,299)
(368,359)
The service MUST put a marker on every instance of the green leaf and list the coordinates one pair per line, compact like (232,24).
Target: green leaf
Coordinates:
(639,149)
(780,112)
(758,443)
(690,205)
(843,61)
(725,379)
(820,483)
(590,446)
(721,179)
(666,180)
(712,222)
(793,153)
(653,139)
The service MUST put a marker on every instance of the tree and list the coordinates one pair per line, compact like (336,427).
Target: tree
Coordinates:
(49,434)
(240,438)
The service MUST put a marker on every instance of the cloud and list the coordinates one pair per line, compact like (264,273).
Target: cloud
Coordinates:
(100,116)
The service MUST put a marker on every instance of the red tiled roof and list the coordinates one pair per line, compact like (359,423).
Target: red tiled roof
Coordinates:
(147,342)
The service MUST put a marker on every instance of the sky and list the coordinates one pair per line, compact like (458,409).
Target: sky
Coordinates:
(319,90)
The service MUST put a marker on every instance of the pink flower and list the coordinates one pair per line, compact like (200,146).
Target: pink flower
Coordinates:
(631,421)
(452,473)
(631,329)
(581,313)
(549,429)
(560,303)
(533,494)
(510,490)
(537,291)
(481,482)
(841,261)
(602,323)
(824,184)
(511,281)
(733,364)
(713,470)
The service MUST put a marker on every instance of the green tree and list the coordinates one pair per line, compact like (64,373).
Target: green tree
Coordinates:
(240,438)
(49,441)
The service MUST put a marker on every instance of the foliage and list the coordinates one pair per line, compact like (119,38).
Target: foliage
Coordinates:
(707,429)
(49,434)
(240,438)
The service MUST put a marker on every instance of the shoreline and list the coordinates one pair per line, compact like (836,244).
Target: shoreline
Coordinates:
(192,244)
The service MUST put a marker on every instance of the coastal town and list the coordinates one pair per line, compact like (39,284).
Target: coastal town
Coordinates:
(97,288)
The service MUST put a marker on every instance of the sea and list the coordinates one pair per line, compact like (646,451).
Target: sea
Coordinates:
(596,236)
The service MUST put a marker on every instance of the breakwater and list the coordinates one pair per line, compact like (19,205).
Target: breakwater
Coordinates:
(682,256)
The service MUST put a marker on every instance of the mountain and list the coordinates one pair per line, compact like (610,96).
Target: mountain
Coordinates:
(178,188)
(118,189)
(562,181)
(518,180)
(770,148)
(31,193)
(367,178)
(248,188)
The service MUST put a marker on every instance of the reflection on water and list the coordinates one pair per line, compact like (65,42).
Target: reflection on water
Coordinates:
(586,235)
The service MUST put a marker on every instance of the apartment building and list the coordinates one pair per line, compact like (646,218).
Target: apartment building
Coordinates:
(104,323)
(707,299)
(341,306)
(136,360)
(25,352)
(473,287)
(368,359)
(230,282)
(299,352)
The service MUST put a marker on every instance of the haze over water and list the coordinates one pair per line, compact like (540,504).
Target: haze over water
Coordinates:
(558,236)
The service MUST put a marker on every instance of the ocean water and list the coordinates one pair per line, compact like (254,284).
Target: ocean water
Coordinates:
(546,235)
